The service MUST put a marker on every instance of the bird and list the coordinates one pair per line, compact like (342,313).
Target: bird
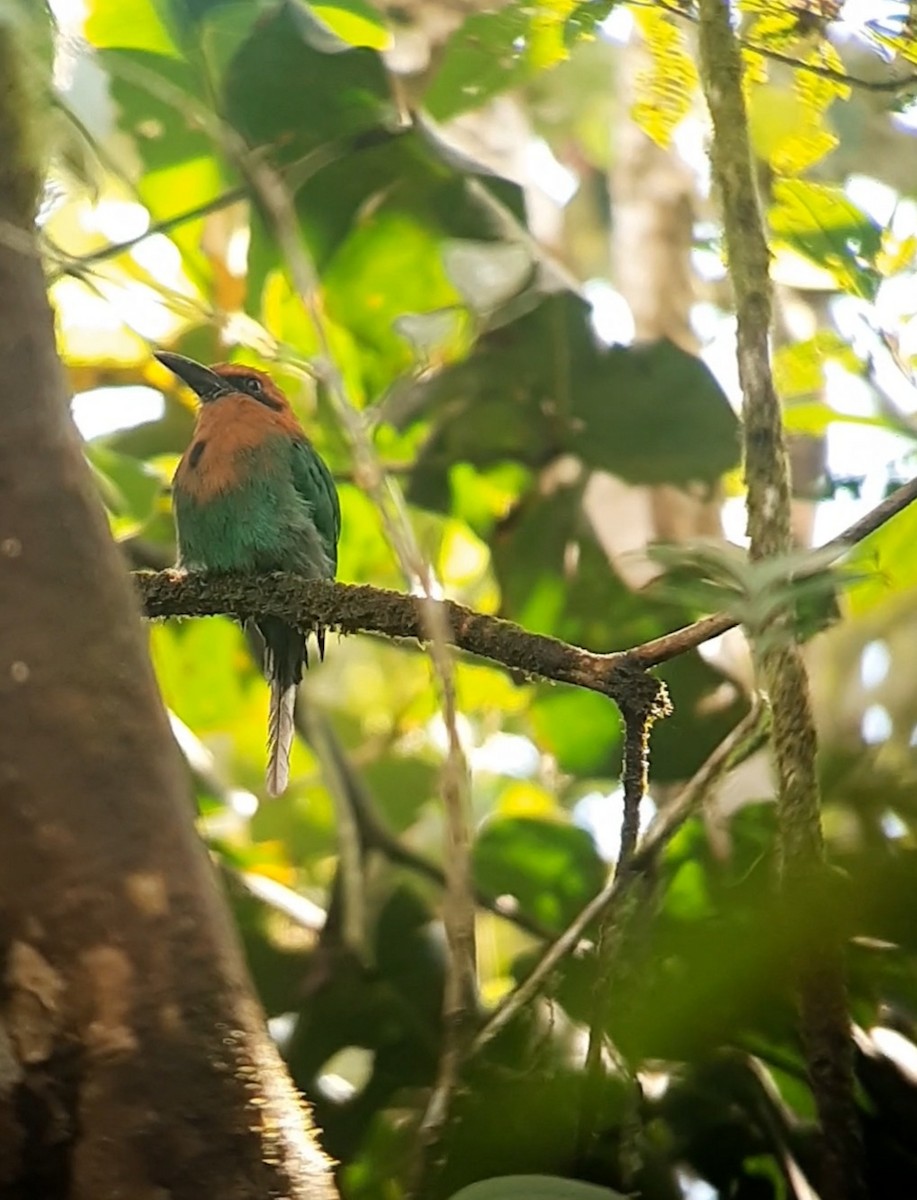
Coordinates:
(252,495)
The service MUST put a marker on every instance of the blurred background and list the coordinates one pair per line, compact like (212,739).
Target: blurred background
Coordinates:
(520,276)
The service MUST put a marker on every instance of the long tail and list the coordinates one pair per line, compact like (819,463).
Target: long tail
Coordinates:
(285,656)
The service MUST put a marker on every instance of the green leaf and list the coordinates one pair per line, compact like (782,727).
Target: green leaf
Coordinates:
(401,787)
(799,367)
(484,57)
(581,729)
(552,869)
(222,30)
(157,98)
(404,171)
(334,96)
(653,414)
(541,386)
(378,219)
(535,1187)
(390,263)
(886,558)
(501,49)
(130,490)
(487,273)
(819,222)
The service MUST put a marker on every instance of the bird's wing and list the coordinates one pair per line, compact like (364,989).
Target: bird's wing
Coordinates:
(313,481)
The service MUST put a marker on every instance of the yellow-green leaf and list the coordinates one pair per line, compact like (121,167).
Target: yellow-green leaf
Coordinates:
(130,25)
(665,91)
(354,22)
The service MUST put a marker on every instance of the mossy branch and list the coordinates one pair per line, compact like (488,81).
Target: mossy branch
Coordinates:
(367,609)
(352,608)
(780,666)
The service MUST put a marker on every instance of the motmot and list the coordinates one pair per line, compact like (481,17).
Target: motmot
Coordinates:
(252,495)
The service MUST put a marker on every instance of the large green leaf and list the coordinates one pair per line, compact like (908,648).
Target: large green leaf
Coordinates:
(378,218)
(283,93)
(389,265)
(541,386)
(401,786)
(157,98)
(393,171)
(534,1187)
(484,57)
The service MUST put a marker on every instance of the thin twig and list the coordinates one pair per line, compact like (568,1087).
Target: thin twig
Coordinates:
(654,841)
(77,264)
(372,833)
(460,988)
(825,1022)
(349,842)
(902,83)
(295,174)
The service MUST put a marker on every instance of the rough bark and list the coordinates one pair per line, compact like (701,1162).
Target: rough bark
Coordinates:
(134,1061)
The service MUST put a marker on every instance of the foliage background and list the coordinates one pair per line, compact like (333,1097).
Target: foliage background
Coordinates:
(458,179)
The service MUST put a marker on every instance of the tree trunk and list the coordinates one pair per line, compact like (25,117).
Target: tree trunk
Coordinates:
(134,1059)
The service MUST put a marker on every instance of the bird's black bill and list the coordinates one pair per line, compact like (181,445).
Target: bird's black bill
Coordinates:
(200,379)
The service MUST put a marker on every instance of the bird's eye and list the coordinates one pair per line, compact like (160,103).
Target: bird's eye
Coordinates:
(254,386)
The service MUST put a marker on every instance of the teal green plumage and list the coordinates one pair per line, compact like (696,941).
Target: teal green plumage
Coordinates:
(251,495)
(282,514)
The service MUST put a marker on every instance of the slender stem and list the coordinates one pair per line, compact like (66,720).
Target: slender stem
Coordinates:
(371,832)
(75,265)
(349,842)
(460,990)
(825,1023)
(899,84)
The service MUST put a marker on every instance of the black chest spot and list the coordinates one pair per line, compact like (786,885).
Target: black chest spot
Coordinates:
(196,454)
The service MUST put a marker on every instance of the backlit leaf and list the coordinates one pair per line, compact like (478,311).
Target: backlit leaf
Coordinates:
(664,92)
(820,222)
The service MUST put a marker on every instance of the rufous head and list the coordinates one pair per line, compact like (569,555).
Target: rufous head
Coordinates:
(225,379)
